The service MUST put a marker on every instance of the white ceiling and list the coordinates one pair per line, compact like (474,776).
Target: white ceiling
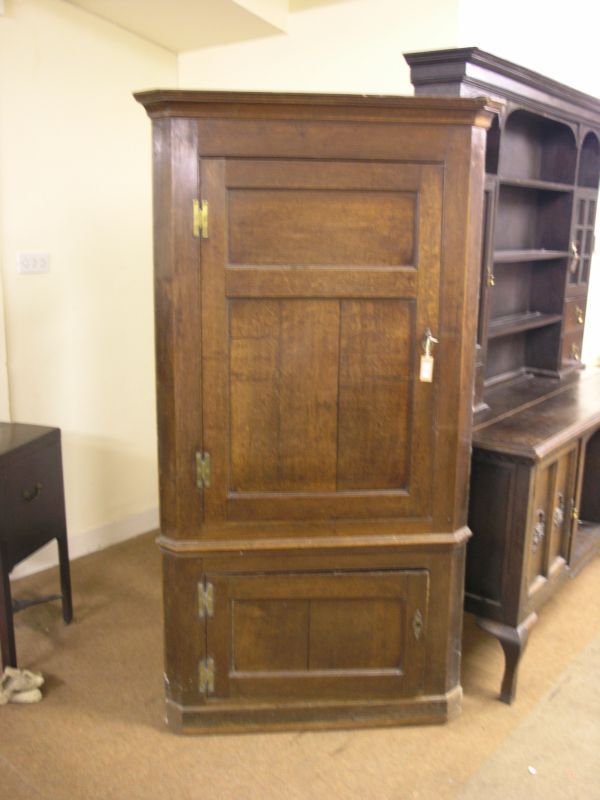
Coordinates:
(180,25)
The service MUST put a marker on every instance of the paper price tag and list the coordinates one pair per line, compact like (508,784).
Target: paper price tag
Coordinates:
(426,370)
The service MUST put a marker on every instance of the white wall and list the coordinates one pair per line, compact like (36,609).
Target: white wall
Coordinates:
(4,394)
(75,181)
(354,46)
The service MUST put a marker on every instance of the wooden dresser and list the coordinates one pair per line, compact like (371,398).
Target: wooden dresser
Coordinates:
(535,484)
(316,262)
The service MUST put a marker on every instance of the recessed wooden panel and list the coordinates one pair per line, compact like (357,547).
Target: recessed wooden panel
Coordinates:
(270,635)
(324,227)
(254,354)
(283,394)
(376,343)
(323,634)
(357,634)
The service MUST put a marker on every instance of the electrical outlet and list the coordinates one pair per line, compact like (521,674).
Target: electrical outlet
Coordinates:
(33,263)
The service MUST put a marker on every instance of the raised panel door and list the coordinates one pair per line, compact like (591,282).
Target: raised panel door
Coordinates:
(319,281)
(318,635)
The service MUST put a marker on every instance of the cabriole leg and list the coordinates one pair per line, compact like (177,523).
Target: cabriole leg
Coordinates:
(513,641)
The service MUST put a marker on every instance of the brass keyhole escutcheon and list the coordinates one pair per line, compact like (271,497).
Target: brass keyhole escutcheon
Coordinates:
(417,624)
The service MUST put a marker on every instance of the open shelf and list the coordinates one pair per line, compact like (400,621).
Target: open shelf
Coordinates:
(530,344)
(516,323)
(514,256)
(532,219)
(534,183)
(537,148)
(589,165)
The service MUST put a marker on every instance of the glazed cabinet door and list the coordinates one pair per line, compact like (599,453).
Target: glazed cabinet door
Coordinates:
(317,635)
(320,280)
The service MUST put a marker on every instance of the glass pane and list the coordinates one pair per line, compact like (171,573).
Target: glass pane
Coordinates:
(591,212)
(585,270)
(573,271)
(588,242)
(581,213)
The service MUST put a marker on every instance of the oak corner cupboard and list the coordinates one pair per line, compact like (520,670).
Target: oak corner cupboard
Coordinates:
(535,478)
(316,263)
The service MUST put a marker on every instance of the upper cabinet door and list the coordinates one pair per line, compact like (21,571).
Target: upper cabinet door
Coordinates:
(319,282)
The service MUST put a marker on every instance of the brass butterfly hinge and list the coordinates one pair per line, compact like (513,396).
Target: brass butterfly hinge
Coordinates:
(206,675)
(200,219)
(205,600)
(202,470)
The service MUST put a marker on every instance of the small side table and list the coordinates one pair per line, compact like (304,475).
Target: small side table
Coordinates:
(32,513)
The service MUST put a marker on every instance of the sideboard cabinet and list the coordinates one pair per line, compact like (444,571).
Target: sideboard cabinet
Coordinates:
(316,265)
(535,482)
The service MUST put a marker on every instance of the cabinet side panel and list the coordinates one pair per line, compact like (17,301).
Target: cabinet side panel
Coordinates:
(590,493)
(177,289)
(490,513)
(460,268)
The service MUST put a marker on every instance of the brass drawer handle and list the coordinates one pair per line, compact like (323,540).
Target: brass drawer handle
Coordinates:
(29,495)
(539,532)
(579,315)
(574,256)
(559,512)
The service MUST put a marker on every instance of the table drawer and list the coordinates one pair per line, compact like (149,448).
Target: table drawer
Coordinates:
(571,348)
(574,314)
(31,499)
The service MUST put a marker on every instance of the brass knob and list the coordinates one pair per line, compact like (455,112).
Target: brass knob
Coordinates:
(575,352)
(579,314)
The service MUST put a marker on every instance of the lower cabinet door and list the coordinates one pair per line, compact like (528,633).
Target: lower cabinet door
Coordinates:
(548,540)
(317,635)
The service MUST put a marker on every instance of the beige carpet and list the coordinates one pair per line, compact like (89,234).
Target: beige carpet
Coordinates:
(99,731)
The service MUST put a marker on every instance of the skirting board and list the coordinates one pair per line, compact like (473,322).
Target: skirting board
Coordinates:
(89,542)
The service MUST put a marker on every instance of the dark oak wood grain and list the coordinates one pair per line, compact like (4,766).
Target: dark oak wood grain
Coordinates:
(535,435)
(316,579)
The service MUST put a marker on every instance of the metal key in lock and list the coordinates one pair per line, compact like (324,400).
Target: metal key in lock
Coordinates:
(426,365)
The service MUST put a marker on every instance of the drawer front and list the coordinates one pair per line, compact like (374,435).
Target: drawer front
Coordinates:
(571,348)
(340,635)
(574,314)
(31,499)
